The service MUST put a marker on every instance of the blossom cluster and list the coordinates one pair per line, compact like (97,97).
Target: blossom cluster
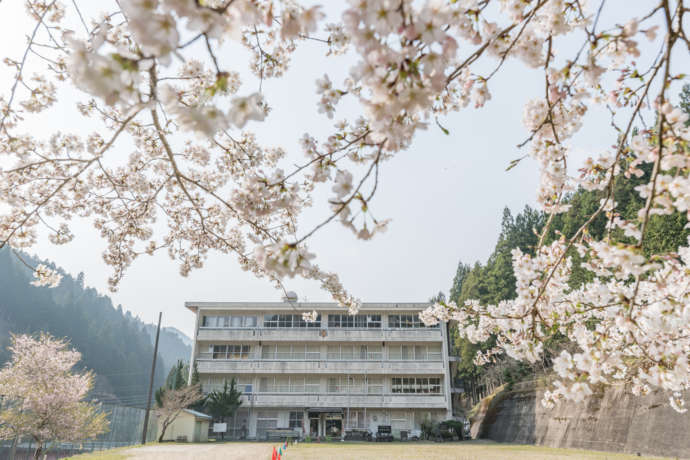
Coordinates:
(43,397)
(161,84)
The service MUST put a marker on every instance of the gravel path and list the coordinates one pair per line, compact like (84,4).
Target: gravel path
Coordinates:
(474,450)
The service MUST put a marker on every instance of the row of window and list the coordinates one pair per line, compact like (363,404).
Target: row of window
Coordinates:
(230,351)
(405,322)
(296,321)
(289,321)
(291,351)
(236,321)
(336,352)
(355,352)
(351,384)
(289,384)
(430,352)
(416,385)
(355,321)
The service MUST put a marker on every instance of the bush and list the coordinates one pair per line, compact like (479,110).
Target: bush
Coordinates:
(427,429)
(455,426)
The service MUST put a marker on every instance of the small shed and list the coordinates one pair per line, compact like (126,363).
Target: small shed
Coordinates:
(189,426)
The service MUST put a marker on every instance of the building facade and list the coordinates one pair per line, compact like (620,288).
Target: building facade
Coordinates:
(379,367)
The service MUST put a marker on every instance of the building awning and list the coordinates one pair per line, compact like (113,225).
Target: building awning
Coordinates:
(325,410)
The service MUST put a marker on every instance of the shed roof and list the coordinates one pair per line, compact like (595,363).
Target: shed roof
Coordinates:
(198,414)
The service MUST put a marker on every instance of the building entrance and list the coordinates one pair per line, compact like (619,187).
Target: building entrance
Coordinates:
(314,427)
(334,425)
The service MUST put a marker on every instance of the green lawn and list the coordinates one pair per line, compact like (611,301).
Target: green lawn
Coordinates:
(468,450)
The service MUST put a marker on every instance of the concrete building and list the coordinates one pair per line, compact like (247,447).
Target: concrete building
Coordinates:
(380,367)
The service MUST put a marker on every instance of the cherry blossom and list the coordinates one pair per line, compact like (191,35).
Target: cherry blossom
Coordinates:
(172,166)
(43,397)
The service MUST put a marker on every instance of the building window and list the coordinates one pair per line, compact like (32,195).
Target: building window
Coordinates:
(230,351)
(430,352)
(419,385)
(374,385)
(406,322)
(296,420)
(288,384)
(354,321)
(291,351)
(232,321)
(354,352)
(312,385)
(289,321)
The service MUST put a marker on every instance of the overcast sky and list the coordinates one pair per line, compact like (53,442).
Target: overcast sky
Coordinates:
(445,195)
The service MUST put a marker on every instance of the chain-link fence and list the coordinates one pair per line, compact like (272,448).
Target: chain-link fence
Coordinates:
(126,424)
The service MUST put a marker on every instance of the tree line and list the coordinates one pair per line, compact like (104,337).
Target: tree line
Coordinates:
(494,280)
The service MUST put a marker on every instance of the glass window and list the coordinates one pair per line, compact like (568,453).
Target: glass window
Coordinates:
(296,419)
(219,352)
(420,352)
(236,321)
(270,320)
(316,323)
(405,352)
(394,352)
(297,384)
(435,385)
(374,385)
(334,385)
(283,352)
(393,321)
(347,352)
(250,321)
(374,321)
(312,385)
(313,352)
(396,385)
(333,352)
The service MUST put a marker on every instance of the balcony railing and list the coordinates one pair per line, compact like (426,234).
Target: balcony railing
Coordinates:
(312,356)
(322,399)
(332,335)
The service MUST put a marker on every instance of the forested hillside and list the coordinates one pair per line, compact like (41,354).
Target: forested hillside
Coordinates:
(493,281)
(113,343)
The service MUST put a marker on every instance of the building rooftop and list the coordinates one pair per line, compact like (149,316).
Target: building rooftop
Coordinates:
(304,306)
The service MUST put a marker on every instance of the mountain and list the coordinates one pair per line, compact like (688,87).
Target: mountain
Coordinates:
(113,343)
(173,345)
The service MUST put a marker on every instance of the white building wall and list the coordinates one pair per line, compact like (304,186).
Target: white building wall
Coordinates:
(403,411)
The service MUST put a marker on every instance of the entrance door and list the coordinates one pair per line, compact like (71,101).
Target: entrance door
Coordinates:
(334,426)
(314,427)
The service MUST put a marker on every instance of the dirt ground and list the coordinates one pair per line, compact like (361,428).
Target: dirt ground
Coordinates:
(473,450)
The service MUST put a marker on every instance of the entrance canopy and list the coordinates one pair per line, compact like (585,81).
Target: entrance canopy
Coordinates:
(325,410)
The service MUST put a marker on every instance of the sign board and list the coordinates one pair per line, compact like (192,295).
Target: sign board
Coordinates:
(220,427)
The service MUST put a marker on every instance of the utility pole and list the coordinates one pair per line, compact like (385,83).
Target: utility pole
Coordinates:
(153,371)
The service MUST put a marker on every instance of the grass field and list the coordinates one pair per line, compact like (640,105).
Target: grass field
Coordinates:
(468,450)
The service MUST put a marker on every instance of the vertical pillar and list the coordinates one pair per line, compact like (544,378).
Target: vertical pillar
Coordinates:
(194,340)
(446,370)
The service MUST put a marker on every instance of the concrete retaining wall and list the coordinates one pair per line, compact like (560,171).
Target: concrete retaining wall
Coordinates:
(612,420)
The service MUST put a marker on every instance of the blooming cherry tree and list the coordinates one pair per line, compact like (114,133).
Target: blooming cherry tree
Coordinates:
(154,76)
(42,398)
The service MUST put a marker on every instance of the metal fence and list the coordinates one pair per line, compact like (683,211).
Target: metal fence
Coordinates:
(126,425)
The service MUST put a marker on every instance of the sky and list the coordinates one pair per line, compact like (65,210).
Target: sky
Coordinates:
(444,195)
